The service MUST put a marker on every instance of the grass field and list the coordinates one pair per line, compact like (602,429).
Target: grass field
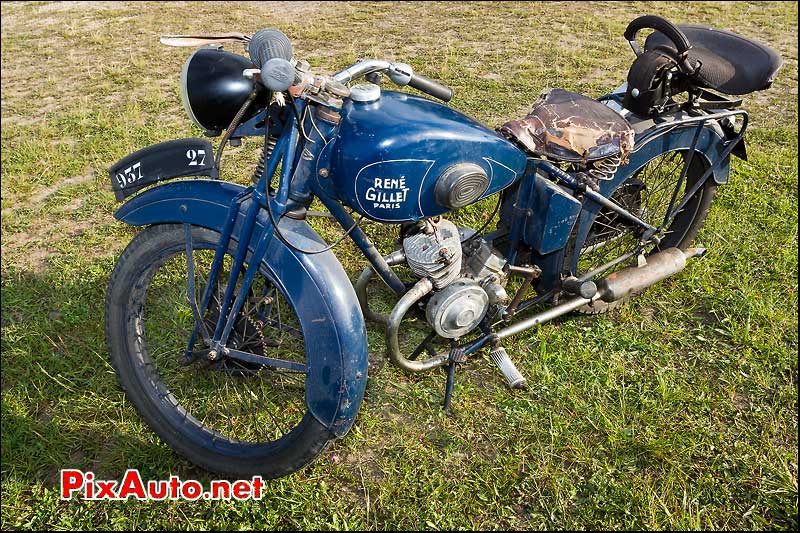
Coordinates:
(678,411)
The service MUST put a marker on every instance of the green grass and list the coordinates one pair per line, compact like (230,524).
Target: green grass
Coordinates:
(678,411)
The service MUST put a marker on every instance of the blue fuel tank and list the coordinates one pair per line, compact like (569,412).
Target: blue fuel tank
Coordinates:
(402,158)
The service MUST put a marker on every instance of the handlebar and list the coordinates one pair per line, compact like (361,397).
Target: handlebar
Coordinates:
(271,52)
(431,87)
(400,73)
(268,44)
(362,68)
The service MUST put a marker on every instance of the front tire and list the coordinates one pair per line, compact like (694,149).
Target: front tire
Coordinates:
(148,322)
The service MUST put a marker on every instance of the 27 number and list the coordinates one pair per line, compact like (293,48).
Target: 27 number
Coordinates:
(192,156)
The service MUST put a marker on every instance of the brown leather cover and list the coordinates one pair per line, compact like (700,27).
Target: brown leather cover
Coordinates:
(567,126)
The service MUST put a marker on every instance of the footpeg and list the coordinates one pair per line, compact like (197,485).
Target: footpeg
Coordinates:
(584,289)
(507,368)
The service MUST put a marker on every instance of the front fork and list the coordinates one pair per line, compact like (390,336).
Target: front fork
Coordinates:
(294,178)
(216,343)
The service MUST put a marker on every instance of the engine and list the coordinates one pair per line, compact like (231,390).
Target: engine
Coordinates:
(467,274)
(435,252)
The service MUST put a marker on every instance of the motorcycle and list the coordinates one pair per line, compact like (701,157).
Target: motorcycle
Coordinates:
(237,334)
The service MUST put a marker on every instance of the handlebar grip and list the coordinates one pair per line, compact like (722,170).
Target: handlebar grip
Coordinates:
(269,44)
(431,87)
(271,51)
(661,24)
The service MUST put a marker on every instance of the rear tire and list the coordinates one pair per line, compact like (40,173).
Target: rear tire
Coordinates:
(132,336)
(682,231)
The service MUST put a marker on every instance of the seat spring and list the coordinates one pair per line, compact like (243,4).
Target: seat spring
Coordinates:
(605,169)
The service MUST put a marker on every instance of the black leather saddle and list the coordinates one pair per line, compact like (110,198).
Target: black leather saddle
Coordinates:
(728,63)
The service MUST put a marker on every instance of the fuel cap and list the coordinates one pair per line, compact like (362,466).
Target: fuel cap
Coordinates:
(365,92)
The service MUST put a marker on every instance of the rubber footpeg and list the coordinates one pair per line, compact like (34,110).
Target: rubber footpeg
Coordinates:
(457,355)
(515,380)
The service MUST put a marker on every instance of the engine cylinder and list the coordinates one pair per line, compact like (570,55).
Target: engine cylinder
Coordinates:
(435,253)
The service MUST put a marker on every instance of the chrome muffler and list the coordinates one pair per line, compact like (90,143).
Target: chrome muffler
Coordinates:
(659,266)
(615,286)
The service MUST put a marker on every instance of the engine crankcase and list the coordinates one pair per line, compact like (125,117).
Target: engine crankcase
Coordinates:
(458,308)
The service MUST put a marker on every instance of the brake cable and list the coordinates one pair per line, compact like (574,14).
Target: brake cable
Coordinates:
(260,169)
(297,117)
(234,124)
(485,224)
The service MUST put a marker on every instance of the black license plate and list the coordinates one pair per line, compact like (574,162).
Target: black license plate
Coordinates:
(162,161)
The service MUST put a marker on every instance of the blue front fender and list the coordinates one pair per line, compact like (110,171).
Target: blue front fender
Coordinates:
(316,285)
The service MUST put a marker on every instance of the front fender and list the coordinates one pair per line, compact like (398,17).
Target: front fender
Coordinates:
(316,285)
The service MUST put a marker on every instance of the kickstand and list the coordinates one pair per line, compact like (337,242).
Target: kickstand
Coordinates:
(457,356)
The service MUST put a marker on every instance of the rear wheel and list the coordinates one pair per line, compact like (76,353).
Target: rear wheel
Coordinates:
(228,416)
(647,194)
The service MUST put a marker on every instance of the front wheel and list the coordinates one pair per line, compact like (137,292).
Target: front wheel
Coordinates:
(231,417)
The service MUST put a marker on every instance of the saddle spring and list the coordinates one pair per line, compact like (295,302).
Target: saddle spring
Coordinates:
(605,169)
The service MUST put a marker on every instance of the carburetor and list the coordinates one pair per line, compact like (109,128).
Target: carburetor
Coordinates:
(485,265)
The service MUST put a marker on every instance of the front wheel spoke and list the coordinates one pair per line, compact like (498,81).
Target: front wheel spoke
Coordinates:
(294,377)
(276,324)
(265,408)
(228,410)
(245,396)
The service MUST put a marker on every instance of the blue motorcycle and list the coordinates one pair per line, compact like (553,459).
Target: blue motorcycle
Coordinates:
(235,331)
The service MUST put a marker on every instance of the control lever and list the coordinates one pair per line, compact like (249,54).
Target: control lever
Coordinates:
(203,39)
(374,77)
(400,73)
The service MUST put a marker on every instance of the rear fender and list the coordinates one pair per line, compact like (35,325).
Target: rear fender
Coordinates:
(316,285)
(710,145)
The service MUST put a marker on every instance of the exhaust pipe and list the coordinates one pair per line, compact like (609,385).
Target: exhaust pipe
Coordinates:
(659,266)
(613,287)
(618,285)
(416,293)
(395,258)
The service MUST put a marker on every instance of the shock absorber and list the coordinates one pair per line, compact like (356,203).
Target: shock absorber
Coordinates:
(266,152)
(262,162)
